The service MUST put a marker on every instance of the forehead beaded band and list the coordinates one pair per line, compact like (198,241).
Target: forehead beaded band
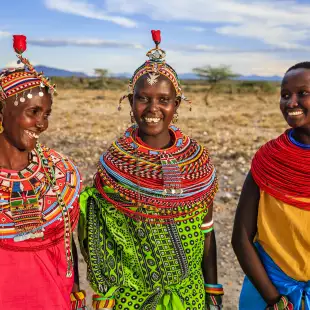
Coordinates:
(154,67)
(16,81)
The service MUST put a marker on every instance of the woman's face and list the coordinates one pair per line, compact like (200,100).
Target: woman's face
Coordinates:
(24,123)
(295,98)
(154,105)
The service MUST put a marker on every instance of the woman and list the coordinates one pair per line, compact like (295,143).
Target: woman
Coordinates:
(271,237)
(146,227)
(39,189)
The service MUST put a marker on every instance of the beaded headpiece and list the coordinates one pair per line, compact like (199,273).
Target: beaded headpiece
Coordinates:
(154,67)
(16,81)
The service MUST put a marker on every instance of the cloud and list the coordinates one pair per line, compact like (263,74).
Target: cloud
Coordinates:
(82,42)
(195,29)
(268,21)
(280,36)
(85,9)
(4,34)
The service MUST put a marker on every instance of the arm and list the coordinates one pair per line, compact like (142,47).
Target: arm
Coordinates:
(209,266)
(76,285)
(245,228)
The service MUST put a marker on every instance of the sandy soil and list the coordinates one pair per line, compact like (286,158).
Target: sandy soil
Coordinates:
(232,127)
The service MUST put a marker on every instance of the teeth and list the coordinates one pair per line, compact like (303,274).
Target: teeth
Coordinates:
(151,119)
(32,134)
(295,113)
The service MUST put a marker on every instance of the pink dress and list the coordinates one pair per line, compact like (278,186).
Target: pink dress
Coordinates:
(33,262)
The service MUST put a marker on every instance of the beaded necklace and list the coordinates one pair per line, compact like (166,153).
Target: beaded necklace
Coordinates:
(282,169)
(24,188)
(157,185)
(302,145)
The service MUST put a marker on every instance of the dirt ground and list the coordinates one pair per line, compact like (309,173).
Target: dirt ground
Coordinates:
(232,127)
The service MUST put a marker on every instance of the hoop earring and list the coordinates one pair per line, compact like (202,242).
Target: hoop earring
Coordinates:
(132,118)
(1,128)
(175,117)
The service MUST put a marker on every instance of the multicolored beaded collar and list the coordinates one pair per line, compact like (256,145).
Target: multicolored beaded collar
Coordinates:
(39,203)
(158,186)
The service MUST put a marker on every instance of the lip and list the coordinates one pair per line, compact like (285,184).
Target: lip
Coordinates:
(31,134)
(151,120)
(295,112)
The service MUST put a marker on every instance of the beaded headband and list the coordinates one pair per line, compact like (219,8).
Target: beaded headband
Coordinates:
(155,66)
(15,81)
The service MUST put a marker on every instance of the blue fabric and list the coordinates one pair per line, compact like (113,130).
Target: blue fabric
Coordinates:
(294,290)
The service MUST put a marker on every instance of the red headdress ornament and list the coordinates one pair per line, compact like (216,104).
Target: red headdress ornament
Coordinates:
(156,64)
(17,80)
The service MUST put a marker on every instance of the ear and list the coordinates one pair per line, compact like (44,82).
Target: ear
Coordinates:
(177,102)
(130,99)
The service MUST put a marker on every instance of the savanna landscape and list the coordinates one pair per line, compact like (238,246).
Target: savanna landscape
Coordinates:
(237,120)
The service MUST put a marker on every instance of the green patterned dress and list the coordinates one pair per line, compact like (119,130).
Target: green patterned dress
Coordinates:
(141,265)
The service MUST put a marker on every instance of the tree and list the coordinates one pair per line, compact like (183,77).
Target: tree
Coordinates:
(101,81)
(214,75)
(102,73)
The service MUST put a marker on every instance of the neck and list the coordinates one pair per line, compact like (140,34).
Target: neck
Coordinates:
(302,135)
(160,141)
(12,158)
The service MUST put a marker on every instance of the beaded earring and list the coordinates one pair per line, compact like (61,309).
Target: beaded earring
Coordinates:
(175,117)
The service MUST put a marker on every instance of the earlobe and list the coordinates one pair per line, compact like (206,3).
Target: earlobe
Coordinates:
(177,102)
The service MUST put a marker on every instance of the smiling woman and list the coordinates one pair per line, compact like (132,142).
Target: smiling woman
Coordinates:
(271,230)
(38,198)
(146,226)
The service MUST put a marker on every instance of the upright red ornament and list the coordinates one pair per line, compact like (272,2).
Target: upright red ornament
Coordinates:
(156,36)
(19,43)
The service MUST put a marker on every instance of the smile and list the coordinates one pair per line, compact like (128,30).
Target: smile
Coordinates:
(151,119)
(31,134)
(294,113)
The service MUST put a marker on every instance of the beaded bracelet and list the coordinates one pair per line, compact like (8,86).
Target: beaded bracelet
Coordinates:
(214,296)
(100,302)
(207,227)
(78,300)
(282,304)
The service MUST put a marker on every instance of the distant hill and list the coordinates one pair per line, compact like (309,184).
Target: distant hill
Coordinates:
(48,71)
(192,76)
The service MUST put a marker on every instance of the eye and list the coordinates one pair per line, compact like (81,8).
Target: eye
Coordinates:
(33,111)
(46,116)
(164,99)
(303,93)
(142,98)
(285,96)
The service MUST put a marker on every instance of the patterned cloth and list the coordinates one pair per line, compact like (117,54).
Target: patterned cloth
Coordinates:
(32,248)
(145,265)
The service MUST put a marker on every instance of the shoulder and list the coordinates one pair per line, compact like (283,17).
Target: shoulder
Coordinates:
(61,162)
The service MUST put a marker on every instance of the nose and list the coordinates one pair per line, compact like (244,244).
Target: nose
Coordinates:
(154,105)
(39,125)
(293,101)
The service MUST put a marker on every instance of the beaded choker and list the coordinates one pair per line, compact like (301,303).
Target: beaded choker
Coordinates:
(158,186)
(282,169)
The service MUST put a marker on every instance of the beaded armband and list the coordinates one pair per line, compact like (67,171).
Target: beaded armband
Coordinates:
(207,227)
(100,302)
(282,304)
(214,296)
(78,300)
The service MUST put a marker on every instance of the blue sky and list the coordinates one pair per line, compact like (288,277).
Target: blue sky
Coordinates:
(253,37)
